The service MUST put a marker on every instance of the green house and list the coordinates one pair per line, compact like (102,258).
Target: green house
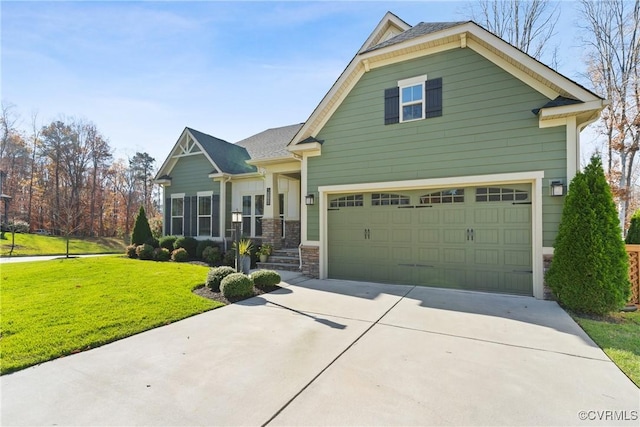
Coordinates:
(440,157)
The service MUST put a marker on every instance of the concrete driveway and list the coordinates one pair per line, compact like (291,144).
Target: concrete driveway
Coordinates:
(328,352)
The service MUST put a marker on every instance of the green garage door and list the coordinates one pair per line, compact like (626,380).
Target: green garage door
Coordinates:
(476,238)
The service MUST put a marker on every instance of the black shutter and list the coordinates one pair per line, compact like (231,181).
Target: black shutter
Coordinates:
(433,96)
(186,214)
(167,216)
(194,216)
(215,216)
(391,105)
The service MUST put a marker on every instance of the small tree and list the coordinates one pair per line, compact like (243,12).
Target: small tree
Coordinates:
(590,268)
(633,235)
(141,230)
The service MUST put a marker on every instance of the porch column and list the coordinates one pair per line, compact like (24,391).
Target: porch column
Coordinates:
(271,224)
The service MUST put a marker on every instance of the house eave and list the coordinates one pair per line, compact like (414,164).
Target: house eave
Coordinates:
(272,161)
(310,148)
(584,112)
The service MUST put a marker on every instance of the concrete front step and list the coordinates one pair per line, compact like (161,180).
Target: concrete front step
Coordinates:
(277,266)
(282,259)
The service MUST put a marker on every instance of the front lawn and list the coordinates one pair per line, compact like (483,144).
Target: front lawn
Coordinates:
(619,336)
(56,308)
(33,244)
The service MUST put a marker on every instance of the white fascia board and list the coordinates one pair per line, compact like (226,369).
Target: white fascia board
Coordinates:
(163,182)
(571,110)
(272,161)
(473,180)
(306,148)
(171,159)
(535,66)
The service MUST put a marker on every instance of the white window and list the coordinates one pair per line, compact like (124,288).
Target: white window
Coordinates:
(252,212)
(412,98)
(204,213)
(177,214)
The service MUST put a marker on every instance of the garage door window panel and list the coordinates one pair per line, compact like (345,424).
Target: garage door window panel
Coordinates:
(501,194)
(389,199)
(453,195)
(353,200)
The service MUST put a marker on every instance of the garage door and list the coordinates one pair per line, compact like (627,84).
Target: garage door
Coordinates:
(476,238)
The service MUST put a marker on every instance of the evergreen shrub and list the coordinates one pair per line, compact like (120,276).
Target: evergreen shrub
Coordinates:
(265,279)
(131,251)
(590,268)
(144,252)
(236,285)
(215,276)
(167,242)
(161,254)
(190,244)
(211,255)
(180,255)
(141,230)
(633,234)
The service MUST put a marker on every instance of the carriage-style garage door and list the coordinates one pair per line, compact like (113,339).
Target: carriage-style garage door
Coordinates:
(475,238)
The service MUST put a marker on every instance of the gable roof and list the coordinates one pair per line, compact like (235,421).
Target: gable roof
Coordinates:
(224,157)
(271,143)
(229,158)
(429,38)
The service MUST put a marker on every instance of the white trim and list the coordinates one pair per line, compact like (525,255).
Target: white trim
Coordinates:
(412,81)
(177,195)
(573,161)
(204,194)
(172,158)
(534,178)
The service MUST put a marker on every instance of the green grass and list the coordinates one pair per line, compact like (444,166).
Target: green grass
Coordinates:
(33,244)
(619,336)
(55,308)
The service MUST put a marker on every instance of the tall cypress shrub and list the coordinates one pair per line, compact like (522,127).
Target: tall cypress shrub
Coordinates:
(141,230)
(633,234)
(590,268)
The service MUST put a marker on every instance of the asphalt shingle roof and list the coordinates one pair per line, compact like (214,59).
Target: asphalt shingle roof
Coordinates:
(271,143)
(558,102)
(230,158)
(420,29)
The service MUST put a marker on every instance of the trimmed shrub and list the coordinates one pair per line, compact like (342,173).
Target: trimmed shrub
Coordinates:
(215,276)
(265,279)
(19,226)
(167,242)
(180,255)
(141,230)
(202,244)
(633,234)
(229,258)
(211,255)
(188,243)
(144,252)
(236,285)
(590,268)
(153,242)
(161,254)
(131,251)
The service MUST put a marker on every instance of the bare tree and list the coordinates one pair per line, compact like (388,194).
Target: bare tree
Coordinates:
(142,164)
(529,25)
(612,37)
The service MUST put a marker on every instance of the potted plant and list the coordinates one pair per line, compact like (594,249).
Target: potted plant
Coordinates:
(264,251)
(245,246)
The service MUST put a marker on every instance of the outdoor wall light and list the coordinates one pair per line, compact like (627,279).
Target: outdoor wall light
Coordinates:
(236,217)
(556,188)
(309,200)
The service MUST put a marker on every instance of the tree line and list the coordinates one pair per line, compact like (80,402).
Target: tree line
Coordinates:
(63,177)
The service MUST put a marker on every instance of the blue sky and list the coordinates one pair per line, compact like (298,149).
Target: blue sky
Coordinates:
(142,71)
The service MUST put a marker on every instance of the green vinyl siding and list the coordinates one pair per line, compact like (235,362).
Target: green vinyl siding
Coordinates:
(190,175)
(487,127)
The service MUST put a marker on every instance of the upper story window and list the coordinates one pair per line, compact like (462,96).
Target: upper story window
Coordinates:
(412,99)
